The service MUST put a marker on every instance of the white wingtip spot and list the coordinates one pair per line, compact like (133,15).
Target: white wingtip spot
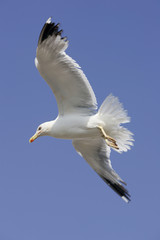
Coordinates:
(125,199)
(49,20)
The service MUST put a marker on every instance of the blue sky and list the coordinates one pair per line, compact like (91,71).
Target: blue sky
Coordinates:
(47,191)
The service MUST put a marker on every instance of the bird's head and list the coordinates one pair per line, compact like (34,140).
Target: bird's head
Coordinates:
(42,130)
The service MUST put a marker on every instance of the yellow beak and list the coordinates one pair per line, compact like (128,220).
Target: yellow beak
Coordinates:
(33,137)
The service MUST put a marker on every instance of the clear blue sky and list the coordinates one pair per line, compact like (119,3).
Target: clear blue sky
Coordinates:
(47,191)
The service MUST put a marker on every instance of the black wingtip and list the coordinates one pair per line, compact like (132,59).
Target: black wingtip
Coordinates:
(119,189)
(49,29)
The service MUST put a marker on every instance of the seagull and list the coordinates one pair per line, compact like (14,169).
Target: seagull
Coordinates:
(94,132)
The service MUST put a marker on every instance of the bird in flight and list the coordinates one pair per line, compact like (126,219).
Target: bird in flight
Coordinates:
(94,132)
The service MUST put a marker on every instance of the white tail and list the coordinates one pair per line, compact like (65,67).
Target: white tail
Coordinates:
(112,114)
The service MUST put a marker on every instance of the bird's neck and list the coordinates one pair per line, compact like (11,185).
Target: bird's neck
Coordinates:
(51,128)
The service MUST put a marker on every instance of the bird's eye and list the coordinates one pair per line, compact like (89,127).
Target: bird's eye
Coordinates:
(39,128)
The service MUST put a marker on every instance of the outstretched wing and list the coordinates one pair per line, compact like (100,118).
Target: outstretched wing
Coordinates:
(67,81)
(97,154)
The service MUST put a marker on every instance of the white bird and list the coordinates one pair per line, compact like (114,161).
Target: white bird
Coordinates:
(93,132)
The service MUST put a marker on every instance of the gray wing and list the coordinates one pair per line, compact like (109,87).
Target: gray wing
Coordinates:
(97,154)
(67,81)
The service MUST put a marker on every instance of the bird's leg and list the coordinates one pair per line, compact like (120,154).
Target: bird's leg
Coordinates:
(109,140)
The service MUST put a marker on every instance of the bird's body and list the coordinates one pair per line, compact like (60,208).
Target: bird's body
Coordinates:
(76,127)
(93,132)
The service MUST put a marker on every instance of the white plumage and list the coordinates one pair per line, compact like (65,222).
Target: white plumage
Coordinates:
(93,132)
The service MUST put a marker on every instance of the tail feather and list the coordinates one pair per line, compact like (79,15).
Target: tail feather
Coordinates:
(111,106)
(118,188)
(112,116)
